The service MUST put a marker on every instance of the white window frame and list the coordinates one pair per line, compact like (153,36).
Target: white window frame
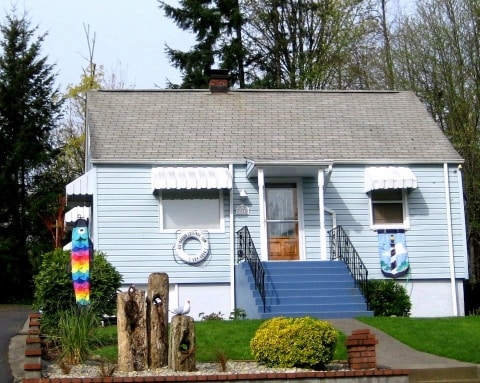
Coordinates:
(220,229)
(406,218)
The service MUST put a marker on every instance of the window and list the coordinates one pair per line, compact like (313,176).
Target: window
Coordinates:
(388,209)
(191,209)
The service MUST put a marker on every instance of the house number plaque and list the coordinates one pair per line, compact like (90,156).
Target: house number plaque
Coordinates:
(242,210)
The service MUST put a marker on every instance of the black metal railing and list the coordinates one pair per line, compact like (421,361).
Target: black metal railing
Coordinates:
(341,248)
(247,252)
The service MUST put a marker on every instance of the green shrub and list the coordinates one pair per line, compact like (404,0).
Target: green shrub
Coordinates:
(294,342)
(388,298)
(211,316)
(54,288)
(237,313)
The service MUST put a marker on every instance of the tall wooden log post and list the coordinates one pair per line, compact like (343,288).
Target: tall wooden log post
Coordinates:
(157,320)
(181,355)
(131,329)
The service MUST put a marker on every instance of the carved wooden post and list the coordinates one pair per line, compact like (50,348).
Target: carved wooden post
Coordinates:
(157,320)
(181,356)
(132,337)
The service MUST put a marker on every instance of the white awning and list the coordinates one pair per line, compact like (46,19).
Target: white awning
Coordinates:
(191,178)
(81,189)
(77,212)
(389,177)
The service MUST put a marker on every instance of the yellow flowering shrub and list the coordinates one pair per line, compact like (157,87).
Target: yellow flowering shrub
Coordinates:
(294,342)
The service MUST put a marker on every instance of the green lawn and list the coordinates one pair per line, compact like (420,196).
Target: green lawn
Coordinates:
(232,338)
(455,338)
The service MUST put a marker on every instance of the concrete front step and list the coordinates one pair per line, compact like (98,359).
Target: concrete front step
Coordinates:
(305,264)
(311,299)
(313,308)
(298,284)
(319,315)
(443,375)
(319,276)
(306,282)
(322,289)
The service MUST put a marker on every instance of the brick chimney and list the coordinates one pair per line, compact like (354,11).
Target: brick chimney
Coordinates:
(218,81)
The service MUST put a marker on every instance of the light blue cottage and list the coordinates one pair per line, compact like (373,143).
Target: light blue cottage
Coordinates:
(278,202)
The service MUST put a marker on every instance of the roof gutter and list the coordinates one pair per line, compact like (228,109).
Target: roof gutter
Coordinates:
(389,161)
(171,162)
(241,161)
(324,162)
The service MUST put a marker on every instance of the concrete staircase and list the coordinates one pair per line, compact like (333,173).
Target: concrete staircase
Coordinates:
(320,289)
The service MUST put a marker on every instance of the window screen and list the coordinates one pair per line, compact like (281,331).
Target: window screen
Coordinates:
(387,207)
(191,209)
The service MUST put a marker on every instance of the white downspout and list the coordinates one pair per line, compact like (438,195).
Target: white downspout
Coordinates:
(450,241)
(261,205)
(462,215)
(321,204)
(94,215)
(232,247)
(334,215)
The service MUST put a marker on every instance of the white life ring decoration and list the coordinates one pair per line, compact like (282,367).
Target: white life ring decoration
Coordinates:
(183,237)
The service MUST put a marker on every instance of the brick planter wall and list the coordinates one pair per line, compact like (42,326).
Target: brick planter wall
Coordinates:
(33,348)
(361,350)
(360,346)
(358,376)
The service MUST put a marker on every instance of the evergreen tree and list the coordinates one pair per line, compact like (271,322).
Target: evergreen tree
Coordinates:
(218,28)
(29,105)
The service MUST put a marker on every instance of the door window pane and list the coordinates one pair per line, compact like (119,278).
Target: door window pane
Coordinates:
(281,202)
(282,229)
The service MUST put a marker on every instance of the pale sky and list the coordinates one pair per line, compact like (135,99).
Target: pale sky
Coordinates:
(130,37)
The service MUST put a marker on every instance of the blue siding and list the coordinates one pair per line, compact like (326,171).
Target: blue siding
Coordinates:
(427,238)
(128,232)
(128,223)
(253,219)
(311,219)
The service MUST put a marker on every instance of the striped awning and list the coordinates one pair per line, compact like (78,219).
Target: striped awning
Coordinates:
(81,189)
(389,177)
(191,178)
(77,212)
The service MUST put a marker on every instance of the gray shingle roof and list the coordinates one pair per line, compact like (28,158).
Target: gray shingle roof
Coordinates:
(262,125)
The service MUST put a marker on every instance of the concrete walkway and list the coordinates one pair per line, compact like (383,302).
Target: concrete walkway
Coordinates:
(12,320)
(393,354)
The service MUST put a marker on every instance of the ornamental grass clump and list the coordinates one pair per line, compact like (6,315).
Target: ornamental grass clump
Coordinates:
(294,342)
(75,335)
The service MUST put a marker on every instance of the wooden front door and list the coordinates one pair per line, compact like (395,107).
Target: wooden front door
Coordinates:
(282,221)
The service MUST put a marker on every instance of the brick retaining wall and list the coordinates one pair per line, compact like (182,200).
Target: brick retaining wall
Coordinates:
(361,354)
(361,350)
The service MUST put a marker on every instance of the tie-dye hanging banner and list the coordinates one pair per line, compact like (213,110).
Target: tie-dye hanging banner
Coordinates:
(81,257)
(393,253)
